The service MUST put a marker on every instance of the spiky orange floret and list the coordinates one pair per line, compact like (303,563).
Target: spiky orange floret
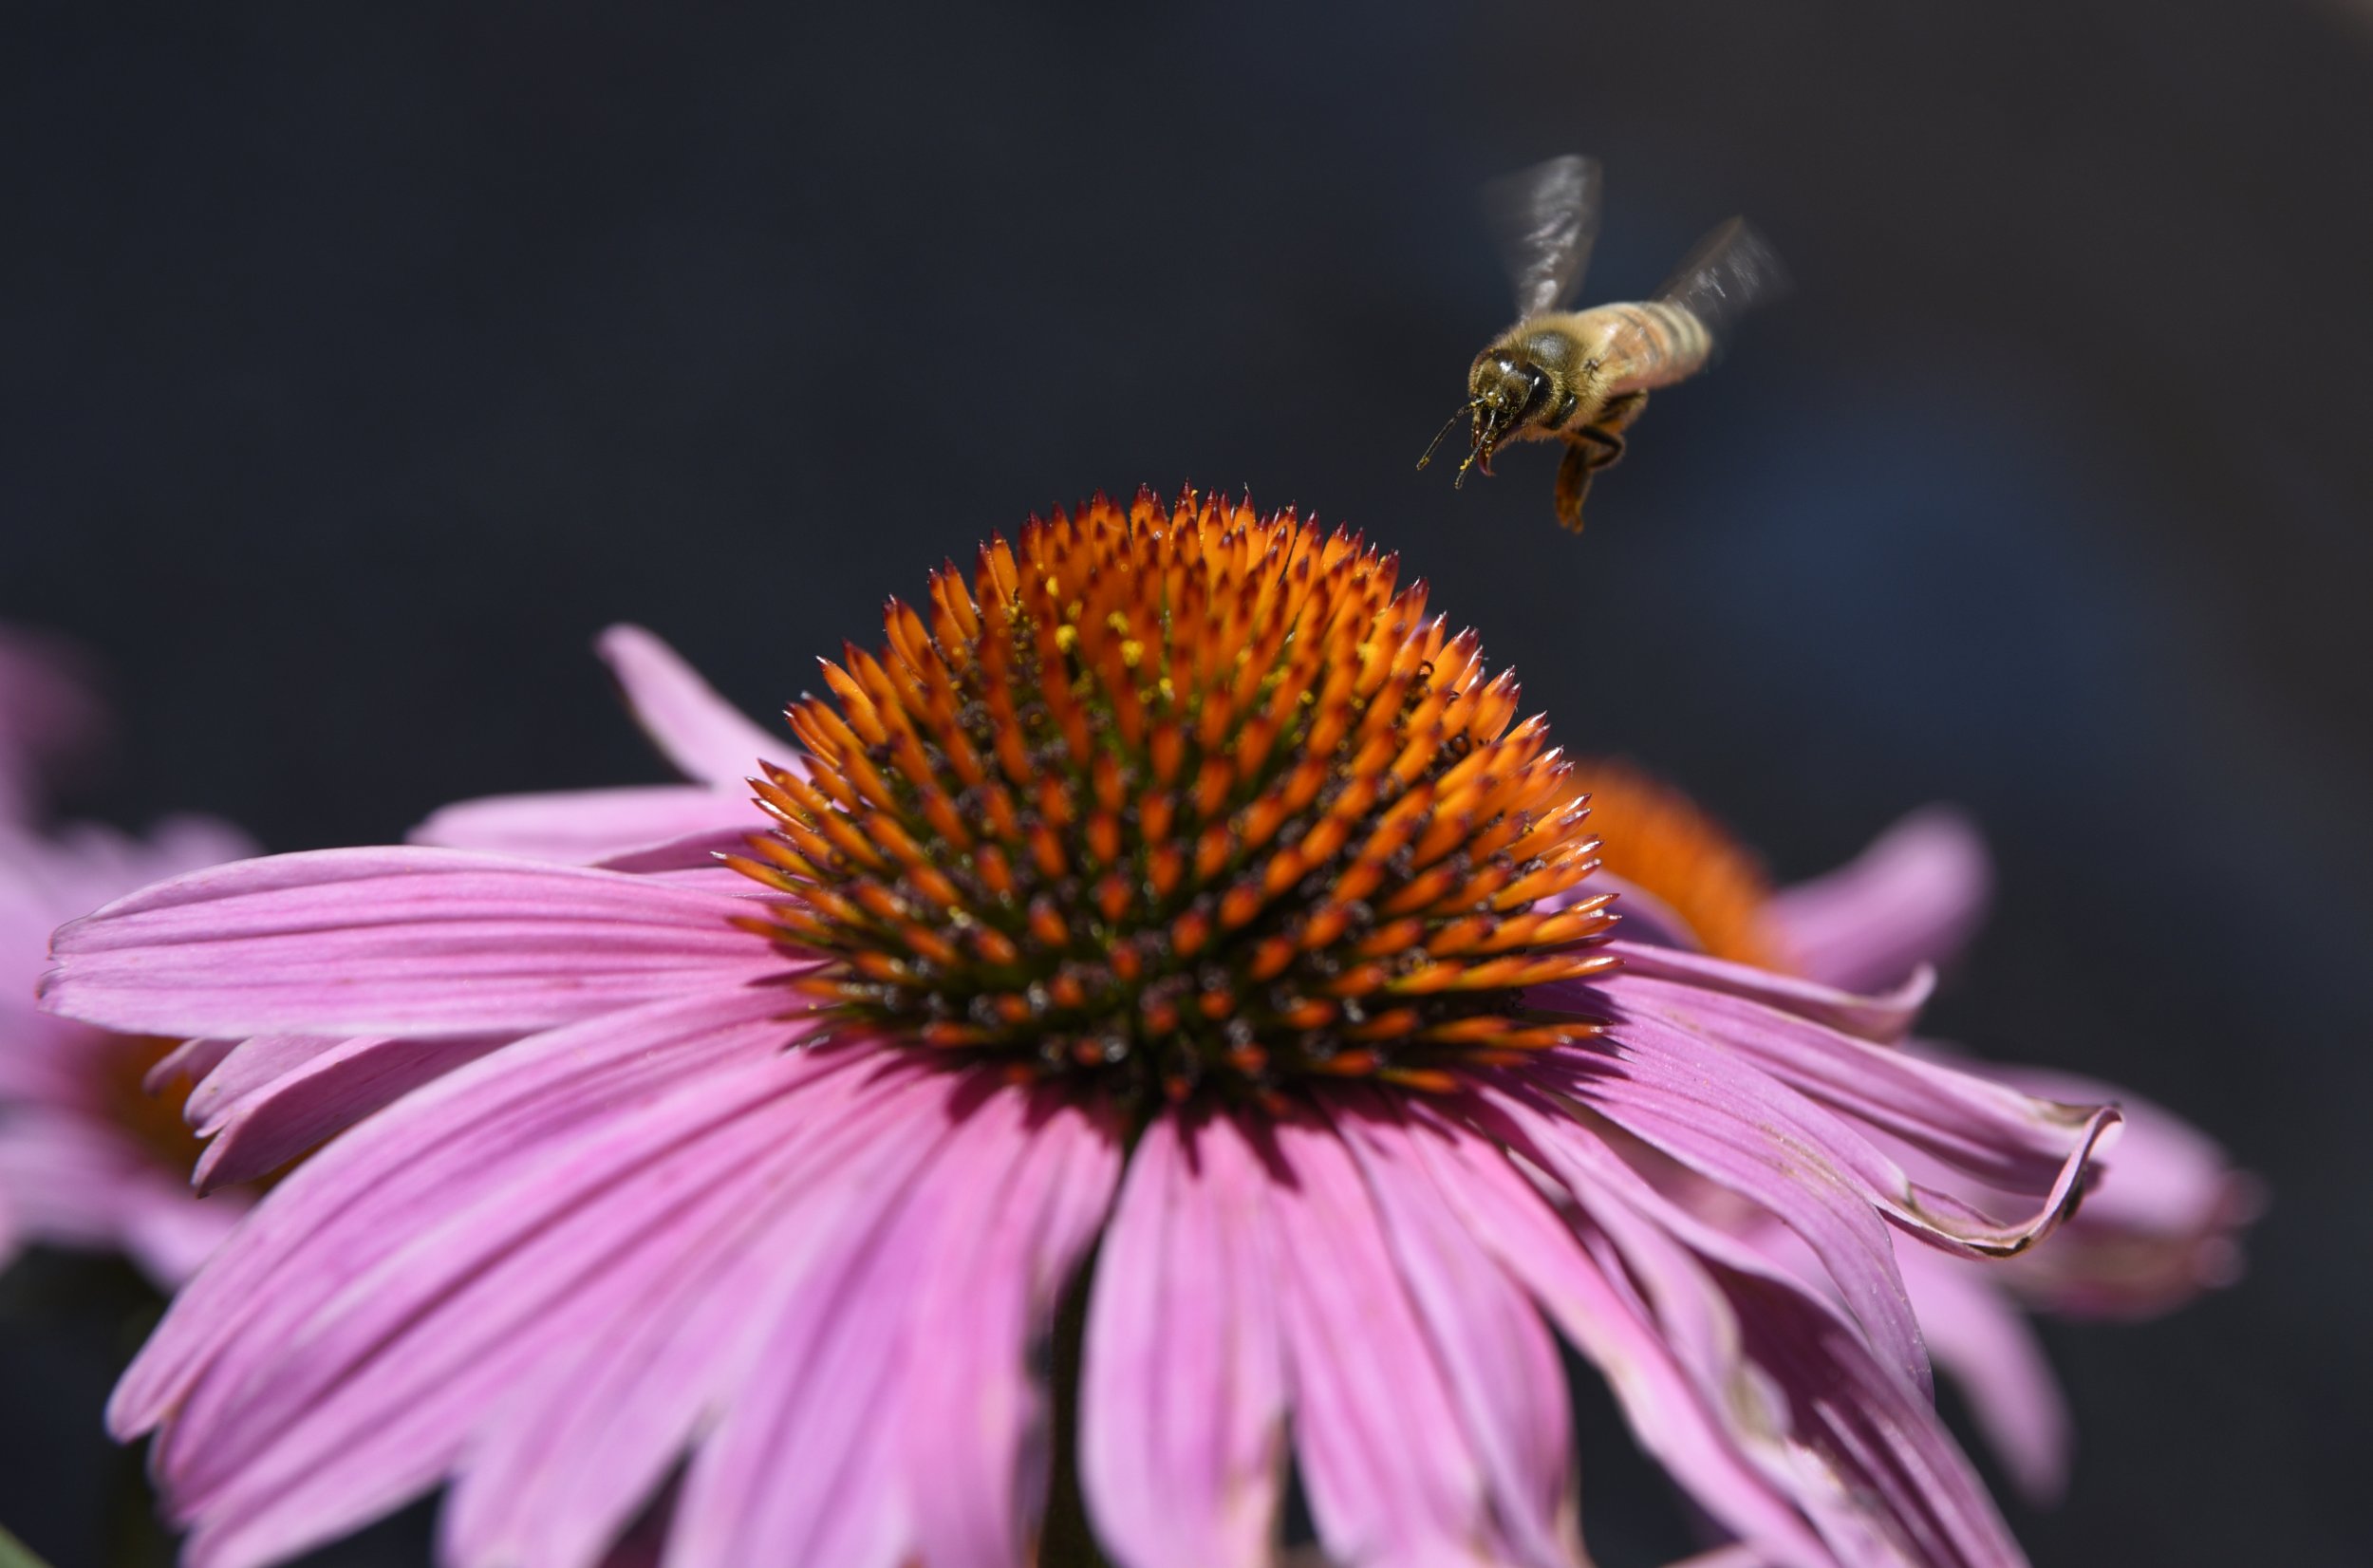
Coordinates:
(1179,798)
(1664,844)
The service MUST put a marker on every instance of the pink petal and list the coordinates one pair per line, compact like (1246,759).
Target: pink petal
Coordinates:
(693,727)
(1760,1140)
(394,942)
(188,1062)
(2160,1226)
(579,827)
(690,852)
(1985,1344)
(354,1204)
(2162,1175)
(571,1454)
(1901,1471)
(2012,1141)
(1857,1449)
(1182,1387)
(975,1420)
(1393,1480)
(1912,898)
(1885,1018)
(1495,1353)
(240,1068)
(372,1396)
(338,1084)
(47,880)
(808,1465)
(1679,1416)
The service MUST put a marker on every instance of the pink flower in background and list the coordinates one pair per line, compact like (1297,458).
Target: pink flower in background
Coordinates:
(1173,889)
(2161,1222)
(48,714)
(88,1157)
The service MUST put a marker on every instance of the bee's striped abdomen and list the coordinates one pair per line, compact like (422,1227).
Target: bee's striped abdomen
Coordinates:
(1649,344)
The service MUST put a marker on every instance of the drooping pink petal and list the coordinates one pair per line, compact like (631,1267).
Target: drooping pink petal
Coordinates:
(1182,1402)
(2160,1226)
(352,1204)
(574,1452)
(373,1395)
(1767,1145)
(1885,1018)
(1683,1417)
(1495,1351)
(694,728)
(330,1088)
(1892,1457)
(2014,1143)
(1393,1479)
(255,1393)
(1983,1343)
(393,942)
(1912,898)
(974,1421)
(1856,1447)
(580,827)
(810,1463)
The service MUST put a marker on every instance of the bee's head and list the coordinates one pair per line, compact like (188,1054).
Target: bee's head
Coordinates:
(1506,385)
(1515,380)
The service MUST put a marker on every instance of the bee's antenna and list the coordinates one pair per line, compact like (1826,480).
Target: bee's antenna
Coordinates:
(1446,430)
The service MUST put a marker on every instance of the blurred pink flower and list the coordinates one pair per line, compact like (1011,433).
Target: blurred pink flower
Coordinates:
(1174,890)
(48,714)
(88,1157)
(2161,1216)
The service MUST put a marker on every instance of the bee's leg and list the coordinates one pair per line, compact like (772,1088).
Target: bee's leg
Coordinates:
(1574,480)
(1617,417)
(1588,450)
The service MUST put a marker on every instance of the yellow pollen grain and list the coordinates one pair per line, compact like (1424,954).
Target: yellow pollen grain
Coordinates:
(1067,638)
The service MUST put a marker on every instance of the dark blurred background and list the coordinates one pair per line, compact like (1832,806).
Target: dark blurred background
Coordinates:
(356,366)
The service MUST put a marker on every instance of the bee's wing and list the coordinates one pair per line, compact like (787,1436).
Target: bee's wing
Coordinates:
(1733,271)
(1544,220)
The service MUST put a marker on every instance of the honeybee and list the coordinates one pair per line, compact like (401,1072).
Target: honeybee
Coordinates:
(1582,377)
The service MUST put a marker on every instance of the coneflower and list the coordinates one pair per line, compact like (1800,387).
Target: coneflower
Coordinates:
(1171,888)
